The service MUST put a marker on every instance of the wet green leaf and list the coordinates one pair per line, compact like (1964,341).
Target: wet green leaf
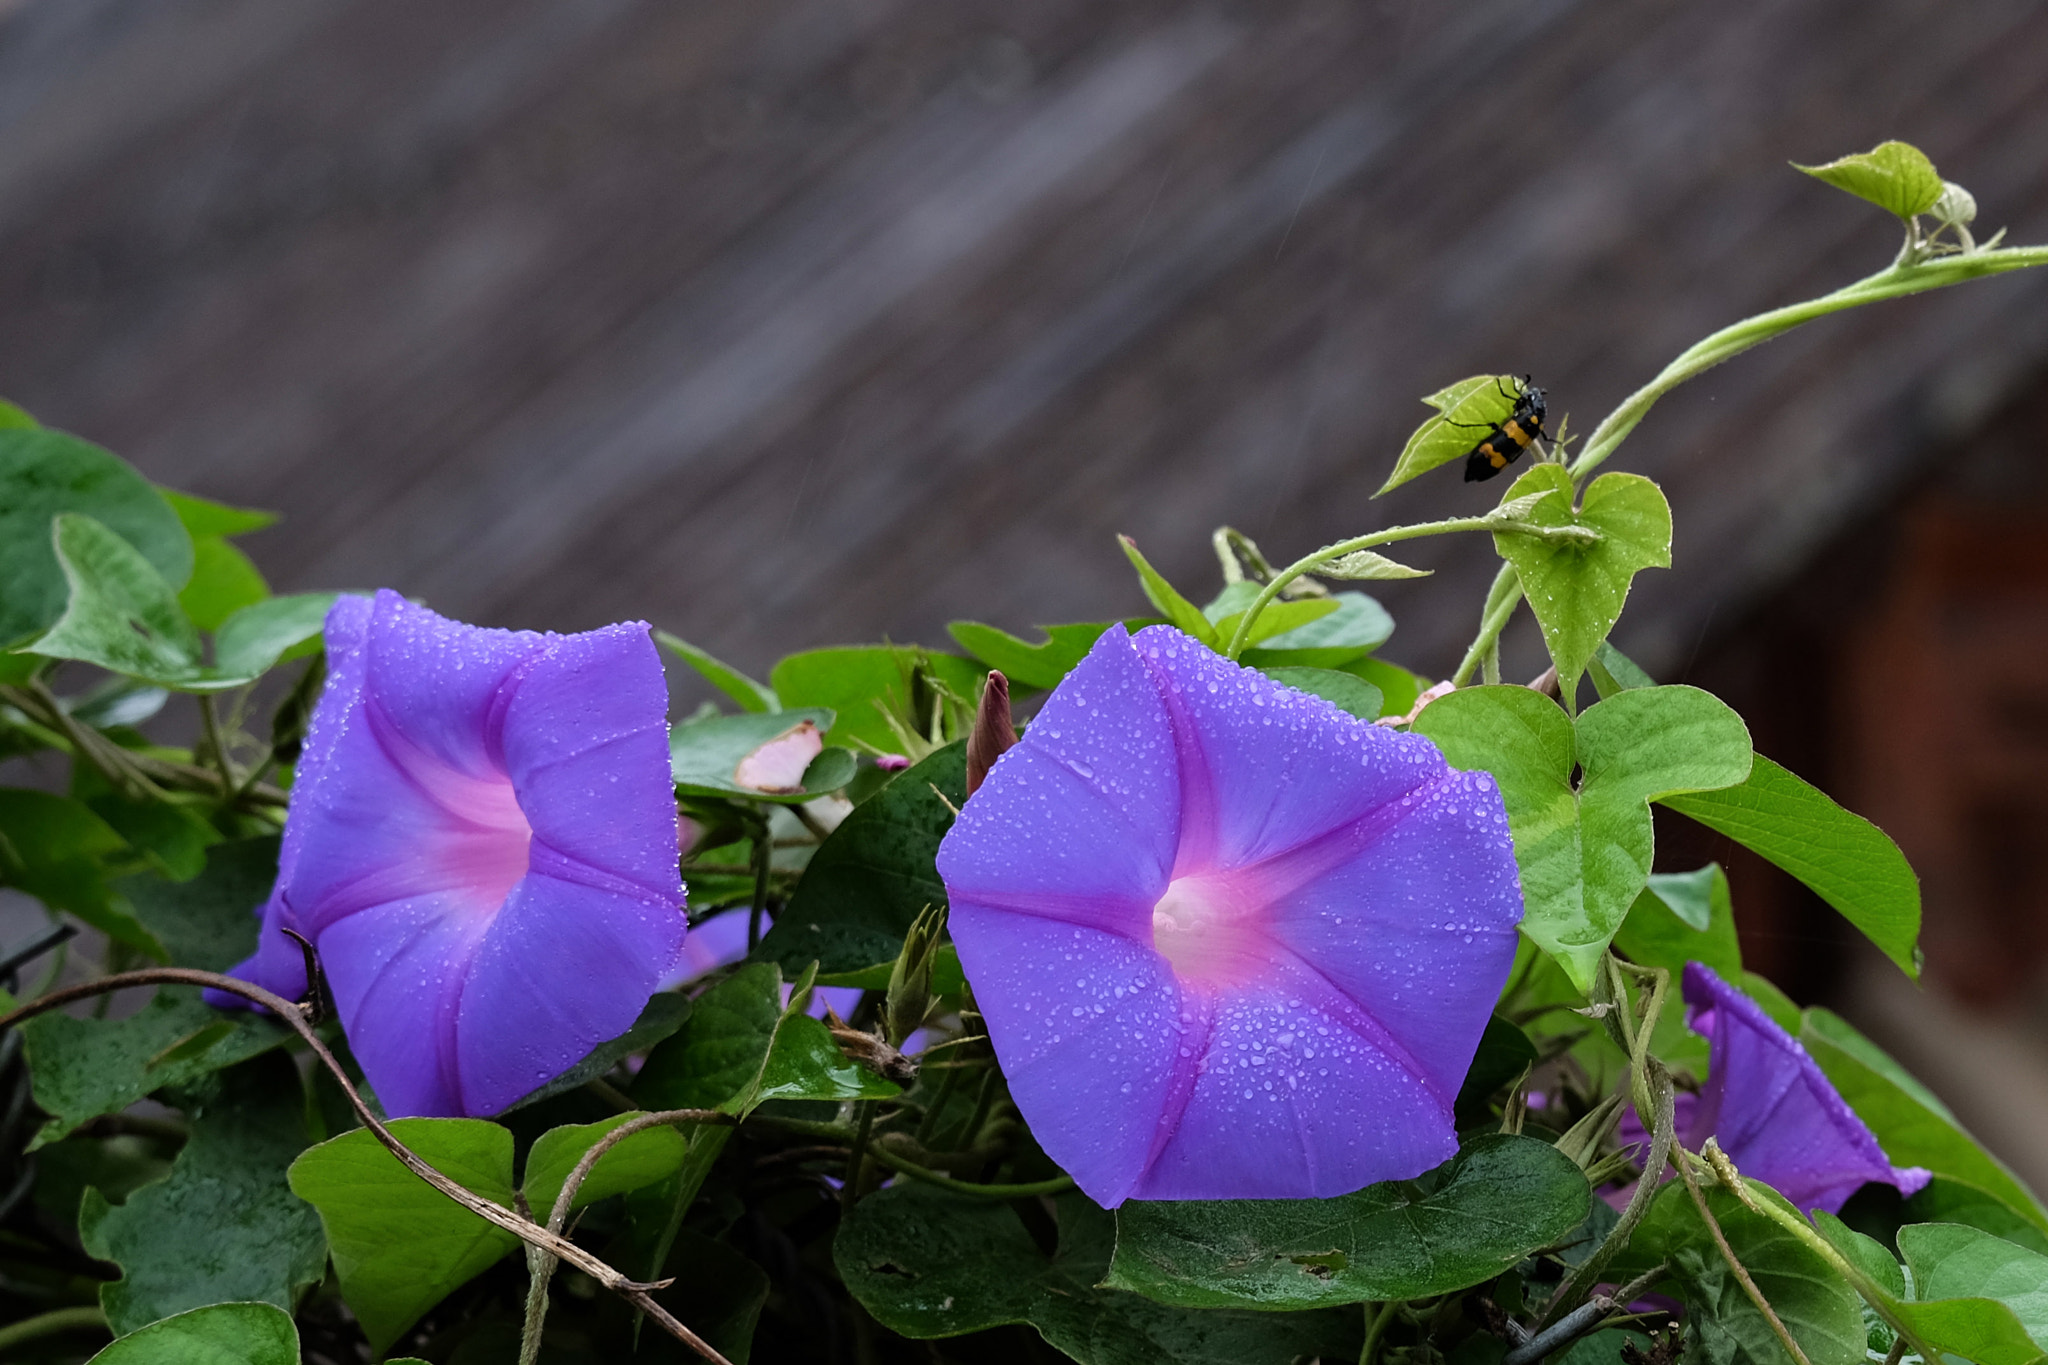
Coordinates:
(1347,692)
(634,1162)
(223,1227)
(55,849)
(210,921)
(124,617)
(47,473)
(1577,590)
(1683,917)
(873,874)
(743,1046)
(1816,1305)
(1849,862)
(82,1068)
(1950,1261)
(865,684)
(928,1263)
(1585,851)
(1344,637)
(1466,1222)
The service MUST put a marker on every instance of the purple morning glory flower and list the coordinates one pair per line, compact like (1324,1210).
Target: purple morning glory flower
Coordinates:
(1771,1108)
(482,846)
(1230,941)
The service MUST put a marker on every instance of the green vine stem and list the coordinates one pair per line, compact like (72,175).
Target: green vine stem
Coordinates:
(1896,281)
(1492,521)
(1742,1275)
(1731,1179)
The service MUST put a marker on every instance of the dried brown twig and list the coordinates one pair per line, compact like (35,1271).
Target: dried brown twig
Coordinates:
(546,1239)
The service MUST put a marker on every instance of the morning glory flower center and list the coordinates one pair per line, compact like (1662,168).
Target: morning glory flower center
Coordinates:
(1207,927)
(486,845)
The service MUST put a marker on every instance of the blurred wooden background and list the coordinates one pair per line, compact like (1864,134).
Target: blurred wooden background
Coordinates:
(800,321)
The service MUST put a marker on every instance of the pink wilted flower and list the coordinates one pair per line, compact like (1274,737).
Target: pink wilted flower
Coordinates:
(1230,941)
(482,845)
(1771,1108)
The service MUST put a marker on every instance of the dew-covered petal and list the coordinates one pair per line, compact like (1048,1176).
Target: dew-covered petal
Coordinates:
(396,970)
(279,964)
(562,967)
(1773,1110)
(1411,913)
(1298,1097)
(585,745)
(440,683)
(373,830)
(1088,1028)
(1080,819)
(1265,767)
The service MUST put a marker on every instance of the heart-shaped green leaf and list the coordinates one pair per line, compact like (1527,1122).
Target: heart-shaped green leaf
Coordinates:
(1585,850)
(1577,589)
(1895,176)
(400,1246)
(223,1228)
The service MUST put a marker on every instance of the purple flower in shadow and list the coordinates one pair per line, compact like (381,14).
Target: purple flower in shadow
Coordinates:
(1771,1108)
(1230,941)
(482,846)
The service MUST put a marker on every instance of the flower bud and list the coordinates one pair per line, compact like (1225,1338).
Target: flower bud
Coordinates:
(993,734)
(910,980)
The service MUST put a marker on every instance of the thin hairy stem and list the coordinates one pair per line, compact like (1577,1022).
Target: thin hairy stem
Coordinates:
(1501,600)
(525,1229)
